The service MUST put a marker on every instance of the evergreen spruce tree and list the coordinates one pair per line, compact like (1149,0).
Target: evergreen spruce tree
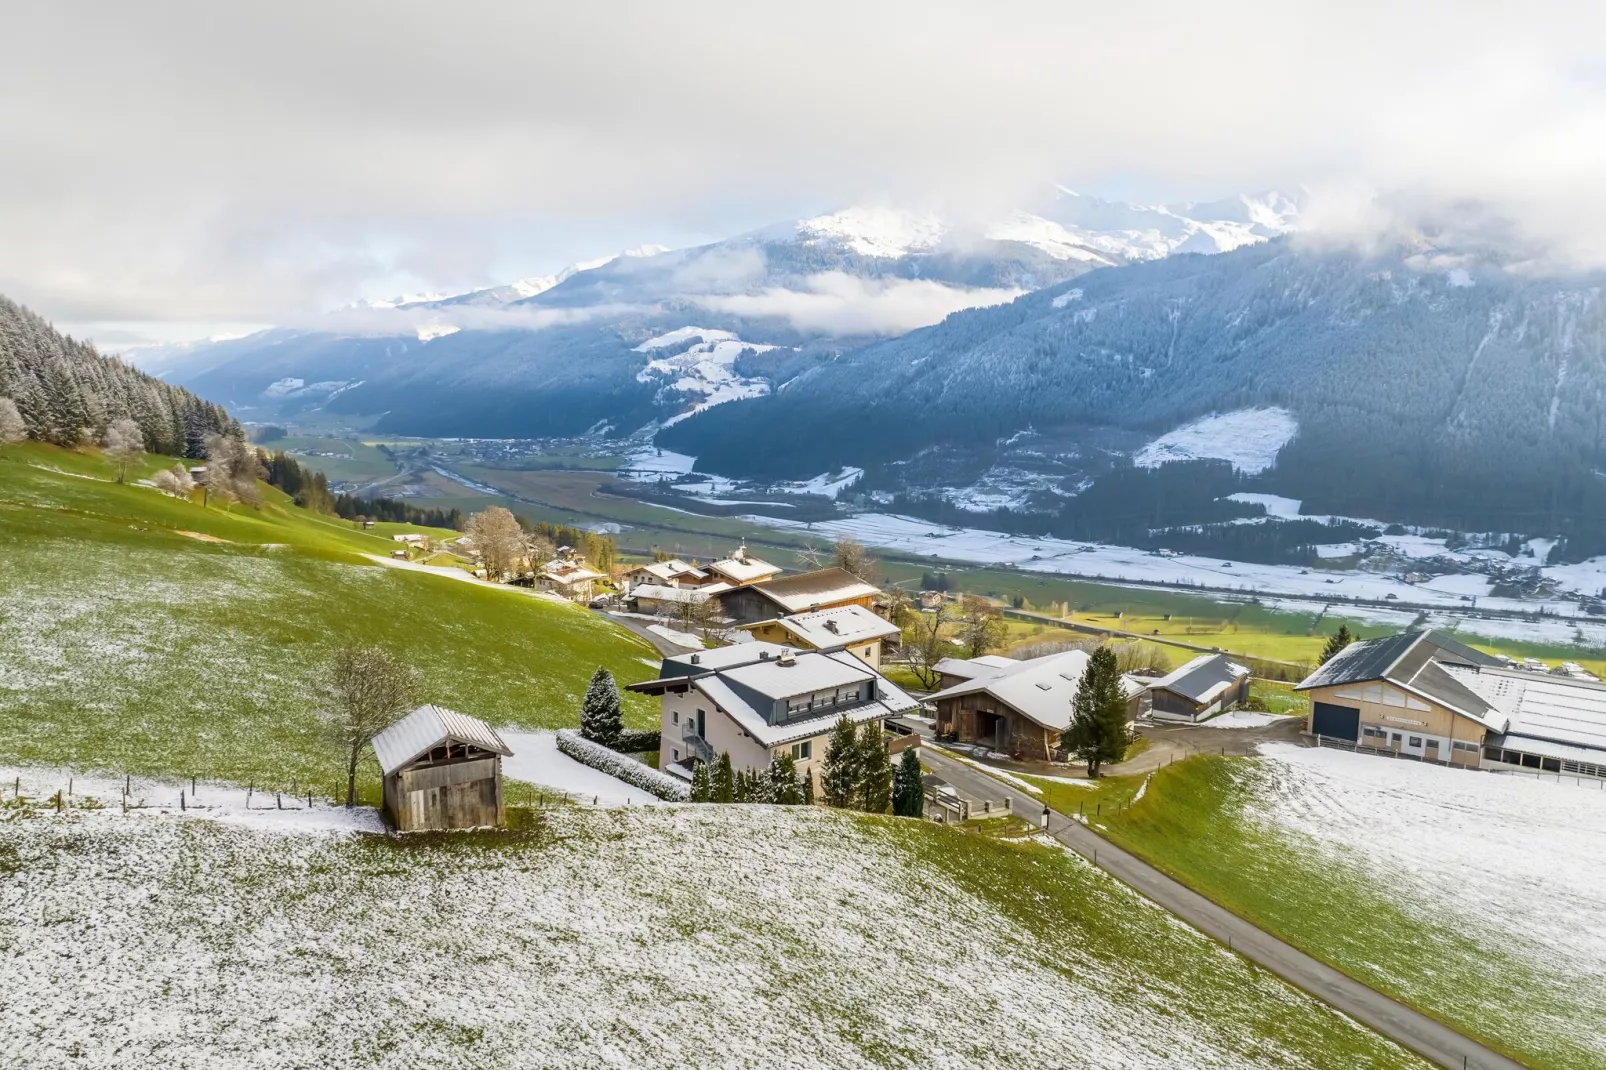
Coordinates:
(740,789)
(808,788)
(601,716)
(784,789)
(875,770)
(702,785)
(840,780)
(1336,643)
(1098,732)
(908,793)
(723,780)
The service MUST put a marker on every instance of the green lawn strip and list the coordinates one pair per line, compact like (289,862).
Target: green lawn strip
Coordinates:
(1077,914)
(127,647)
(1279,697)
(1190,824)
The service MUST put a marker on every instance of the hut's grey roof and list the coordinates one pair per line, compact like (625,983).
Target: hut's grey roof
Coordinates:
(976,668)
(428,727)
(1204,678)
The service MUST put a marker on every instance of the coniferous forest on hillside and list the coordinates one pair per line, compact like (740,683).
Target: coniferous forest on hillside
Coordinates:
(67,392)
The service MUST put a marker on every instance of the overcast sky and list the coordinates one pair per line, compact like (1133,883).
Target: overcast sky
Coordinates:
(167,168)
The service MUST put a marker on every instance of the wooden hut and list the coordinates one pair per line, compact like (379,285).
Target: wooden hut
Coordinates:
(442,770)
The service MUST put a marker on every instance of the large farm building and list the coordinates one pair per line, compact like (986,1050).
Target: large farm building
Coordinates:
(1424,695)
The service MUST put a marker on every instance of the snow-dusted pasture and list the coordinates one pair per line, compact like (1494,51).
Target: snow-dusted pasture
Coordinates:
(1249,438)
(536,760)
(677,936)
(1516,863)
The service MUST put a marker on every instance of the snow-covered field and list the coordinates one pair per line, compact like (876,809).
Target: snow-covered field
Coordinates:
(705,367)
(537,760)
(1249,438)
(675,936)
(1517,862)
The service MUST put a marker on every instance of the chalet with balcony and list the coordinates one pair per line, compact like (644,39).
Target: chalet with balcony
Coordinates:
(757,700)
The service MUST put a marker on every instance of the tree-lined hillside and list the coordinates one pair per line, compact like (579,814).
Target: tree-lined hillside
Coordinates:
(67,392)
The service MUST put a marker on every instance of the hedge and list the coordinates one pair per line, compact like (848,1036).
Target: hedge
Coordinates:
(638,742)
(616,765)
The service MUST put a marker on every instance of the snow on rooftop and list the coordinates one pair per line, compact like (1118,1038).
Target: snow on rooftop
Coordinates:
(1249,438)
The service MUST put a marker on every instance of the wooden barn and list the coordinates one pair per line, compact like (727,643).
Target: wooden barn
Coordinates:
(442,770)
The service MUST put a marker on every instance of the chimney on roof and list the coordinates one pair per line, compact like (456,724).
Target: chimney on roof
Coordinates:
(831,627)
(786,657)
(763,655)
(696,659)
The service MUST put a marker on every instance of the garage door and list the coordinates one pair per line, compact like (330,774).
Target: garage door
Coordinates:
(1341,722)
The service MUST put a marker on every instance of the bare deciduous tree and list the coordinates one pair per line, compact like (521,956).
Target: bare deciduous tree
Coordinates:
(12,427)
(850,554)
(498,539)
(981,626)
(924,645)
(124,444)
(539,549)
(175,481)
(368,690)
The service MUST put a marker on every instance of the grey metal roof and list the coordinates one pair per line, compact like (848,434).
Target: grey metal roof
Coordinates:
(719,658)
(892,700)
(1559,709)
(805,672)
(1204,678)
(426,728)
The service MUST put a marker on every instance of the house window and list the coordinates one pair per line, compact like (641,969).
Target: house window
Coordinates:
(1416,704)
(803,751)
(1416,741)
(1494,754)
(676,753)
(1392,697)
(1462,744)
(676,716)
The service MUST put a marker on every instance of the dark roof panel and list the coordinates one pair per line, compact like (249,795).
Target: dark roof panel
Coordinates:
(1365,659)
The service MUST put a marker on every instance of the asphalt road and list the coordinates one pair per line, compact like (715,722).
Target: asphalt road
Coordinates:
(1428,1038)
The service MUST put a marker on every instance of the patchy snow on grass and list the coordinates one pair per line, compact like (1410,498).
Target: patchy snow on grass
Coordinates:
(33,790)
(1249,438)
(1518,859)
(687,936)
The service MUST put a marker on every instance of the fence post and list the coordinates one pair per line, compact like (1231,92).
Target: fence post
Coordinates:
(181,805)
(58,800)
(278,801)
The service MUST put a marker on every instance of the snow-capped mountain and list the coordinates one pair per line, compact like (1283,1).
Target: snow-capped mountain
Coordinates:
(497,360)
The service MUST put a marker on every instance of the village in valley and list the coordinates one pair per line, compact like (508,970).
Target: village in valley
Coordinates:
(829,689)
(890,537)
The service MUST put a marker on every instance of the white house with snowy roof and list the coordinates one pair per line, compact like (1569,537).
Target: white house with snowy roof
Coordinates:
(852,628)
(758,700)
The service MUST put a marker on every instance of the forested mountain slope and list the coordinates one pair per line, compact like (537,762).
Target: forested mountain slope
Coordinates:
(559,354)
(1450,396)
(66,391)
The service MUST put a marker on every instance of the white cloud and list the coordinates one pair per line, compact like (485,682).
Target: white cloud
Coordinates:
(257,161)
(843,304)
